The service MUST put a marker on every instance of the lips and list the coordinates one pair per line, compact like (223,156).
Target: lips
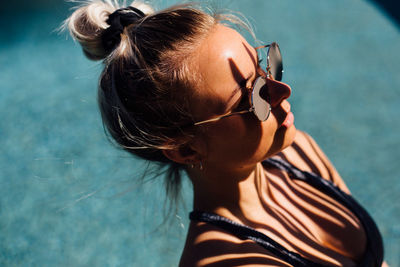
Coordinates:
(289,118)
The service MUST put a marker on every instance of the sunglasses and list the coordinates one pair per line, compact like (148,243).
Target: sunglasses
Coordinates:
(259,103)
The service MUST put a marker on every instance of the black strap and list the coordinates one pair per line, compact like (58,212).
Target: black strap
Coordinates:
(244,232)
(373,255)
(118,20)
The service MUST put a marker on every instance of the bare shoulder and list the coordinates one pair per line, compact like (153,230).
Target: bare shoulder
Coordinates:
(208,246)
(305,154)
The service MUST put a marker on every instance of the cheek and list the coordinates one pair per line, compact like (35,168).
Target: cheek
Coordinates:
(243,140)
(268,137)
(238,139)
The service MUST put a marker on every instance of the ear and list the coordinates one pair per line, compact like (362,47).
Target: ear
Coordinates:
(183,154)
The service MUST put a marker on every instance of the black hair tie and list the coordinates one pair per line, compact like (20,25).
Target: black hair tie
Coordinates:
(118,20)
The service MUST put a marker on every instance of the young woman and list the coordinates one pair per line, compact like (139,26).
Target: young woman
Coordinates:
(181,88)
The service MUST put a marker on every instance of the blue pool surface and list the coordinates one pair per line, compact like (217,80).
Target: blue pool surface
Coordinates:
(68,197)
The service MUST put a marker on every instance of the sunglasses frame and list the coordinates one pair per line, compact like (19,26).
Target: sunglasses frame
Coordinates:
(252,107)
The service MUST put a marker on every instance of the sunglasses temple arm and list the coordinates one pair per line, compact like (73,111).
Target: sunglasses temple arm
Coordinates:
(224,116)
(262,46)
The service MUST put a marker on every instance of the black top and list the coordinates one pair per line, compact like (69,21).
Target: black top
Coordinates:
(373,255)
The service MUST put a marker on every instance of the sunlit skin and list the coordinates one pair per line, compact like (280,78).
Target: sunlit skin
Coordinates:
(233,183)
(231,148)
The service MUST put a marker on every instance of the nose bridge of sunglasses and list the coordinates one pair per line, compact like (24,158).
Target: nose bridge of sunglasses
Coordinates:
(263,55)
(263,60)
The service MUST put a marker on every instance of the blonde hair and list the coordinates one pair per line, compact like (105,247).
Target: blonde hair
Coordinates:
(148,78)
(88,22)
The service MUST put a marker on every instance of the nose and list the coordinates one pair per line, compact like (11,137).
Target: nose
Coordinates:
(277,92)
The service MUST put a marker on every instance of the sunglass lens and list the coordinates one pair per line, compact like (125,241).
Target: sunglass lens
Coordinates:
(275,61)
(259,99)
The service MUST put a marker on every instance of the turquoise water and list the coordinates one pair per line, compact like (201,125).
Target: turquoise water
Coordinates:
(69,198)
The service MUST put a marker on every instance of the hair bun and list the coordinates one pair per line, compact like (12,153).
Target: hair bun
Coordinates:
(118,20)
(88,23)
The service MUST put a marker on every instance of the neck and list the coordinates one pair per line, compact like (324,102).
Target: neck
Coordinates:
(229,194)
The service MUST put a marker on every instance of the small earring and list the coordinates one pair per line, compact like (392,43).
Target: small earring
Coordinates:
(200,166)
(192,165)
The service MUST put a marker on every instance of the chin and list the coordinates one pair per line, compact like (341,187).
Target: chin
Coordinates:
(284,138)
(290,134)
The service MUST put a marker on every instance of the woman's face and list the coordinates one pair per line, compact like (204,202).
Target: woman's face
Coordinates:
(227,65)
